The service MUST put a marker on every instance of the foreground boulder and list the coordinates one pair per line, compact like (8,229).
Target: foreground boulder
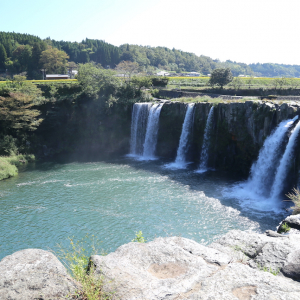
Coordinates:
(34,274)
(275,253)
(179,268)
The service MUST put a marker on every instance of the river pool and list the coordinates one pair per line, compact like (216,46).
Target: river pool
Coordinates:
(113,199)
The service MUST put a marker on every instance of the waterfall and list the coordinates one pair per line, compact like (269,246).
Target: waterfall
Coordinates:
(151,132)
(180,161)
(206,142)
(139,120)
(255,192)
(284,164)
(263,170)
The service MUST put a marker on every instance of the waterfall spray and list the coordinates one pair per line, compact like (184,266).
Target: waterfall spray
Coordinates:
(263,170)
(284,164)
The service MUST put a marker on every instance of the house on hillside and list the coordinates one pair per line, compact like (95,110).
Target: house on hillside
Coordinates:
(57,76)
(194,74)
(162,73)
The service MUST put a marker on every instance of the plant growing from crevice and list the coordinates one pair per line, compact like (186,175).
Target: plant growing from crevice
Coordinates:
(139,237)
(284,228)
(268,269)
(76,259)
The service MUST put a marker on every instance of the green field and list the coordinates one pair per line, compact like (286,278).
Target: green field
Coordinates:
(238,82)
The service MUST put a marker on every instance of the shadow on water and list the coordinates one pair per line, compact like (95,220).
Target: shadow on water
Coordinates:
(212,183)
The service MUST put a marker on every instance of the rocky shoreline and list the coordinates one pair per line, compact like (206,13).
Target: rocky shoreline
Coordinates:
(240,265)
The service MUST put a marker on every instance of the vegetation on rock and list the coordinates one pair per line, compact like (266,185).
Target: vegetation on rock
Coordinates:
(294,196)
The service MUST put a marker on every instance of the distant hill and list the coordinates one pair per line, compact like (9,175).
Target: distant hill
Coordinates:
(21,52)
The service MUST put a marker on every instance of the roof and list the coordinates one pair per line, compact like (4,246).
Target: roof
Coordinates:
(57,75)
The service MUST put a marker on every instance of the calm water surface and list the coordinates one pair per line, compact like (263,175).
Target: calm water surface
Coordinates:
(112,200)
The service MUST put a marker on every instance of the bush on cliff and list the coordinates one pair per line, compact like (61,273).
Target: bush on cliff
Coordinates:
(294,196)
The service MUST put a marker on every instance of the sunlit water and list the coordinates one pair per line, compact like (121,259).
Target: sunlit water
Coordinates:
(112,200)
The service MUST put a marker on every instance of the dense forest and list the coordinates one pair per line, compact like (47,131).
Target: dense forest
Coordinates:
(22,53)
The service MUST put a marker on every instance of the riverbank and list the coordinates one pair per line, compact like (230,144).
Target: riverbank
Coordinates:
(9,165)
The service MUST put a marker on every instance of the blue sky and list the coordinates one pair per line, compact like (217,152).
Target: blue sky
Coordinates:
(244,31)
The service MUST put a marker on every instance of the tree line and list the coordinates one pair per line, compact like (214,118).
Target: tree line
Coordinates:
(22,53)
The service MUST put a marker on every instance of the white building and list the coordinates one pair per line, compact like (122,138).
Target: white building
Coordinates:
(56,76)
(162,73)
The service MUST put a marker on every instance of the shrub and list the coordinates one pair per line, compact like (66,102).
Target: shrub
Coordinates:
(7,169)
(159,81)
(284,228)
(294,196)
(8,145)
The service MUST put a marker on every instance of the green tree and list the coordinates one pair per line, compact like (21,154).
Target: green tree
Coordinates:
(95,80)
(128,68)
(17,112)
(54,60)
(22,58)
(3,57)
(220,77)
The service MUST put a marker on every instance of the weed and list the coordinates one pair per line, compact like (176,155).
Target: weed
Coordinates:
(268,269)
(76,259)
(284,228)
(240,254)
(139,237)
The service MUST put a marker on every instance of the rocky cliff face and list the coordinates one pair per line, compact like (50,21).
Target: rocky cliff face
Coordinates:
(238,266)
(239,130)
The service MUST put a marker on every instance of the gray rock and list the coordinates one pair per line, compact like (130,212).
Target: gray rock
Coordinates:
(248,243)
(291,267)
(161,269)
(272,233)
(178,268)
(272,255)
(262,252)
(238,281)
(293,219)
(34,274)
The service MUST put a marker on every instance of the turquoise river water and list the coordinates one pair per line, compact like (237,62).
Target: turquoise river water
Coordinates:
(112,200)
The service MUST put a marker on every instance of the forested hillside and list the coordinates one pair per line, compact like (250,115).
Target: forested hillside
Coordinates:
(22,53)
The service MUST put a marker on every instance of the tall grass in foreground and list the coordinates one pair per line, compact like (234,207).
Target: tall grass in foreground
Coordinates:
(9,164)
(76,259)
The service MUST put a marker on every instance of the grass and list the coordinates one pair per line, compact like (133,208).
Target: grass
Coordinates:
(284,228)
(269,269)
(294,196)
(198,83)
(209,100)
(76,258)
(9,164)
